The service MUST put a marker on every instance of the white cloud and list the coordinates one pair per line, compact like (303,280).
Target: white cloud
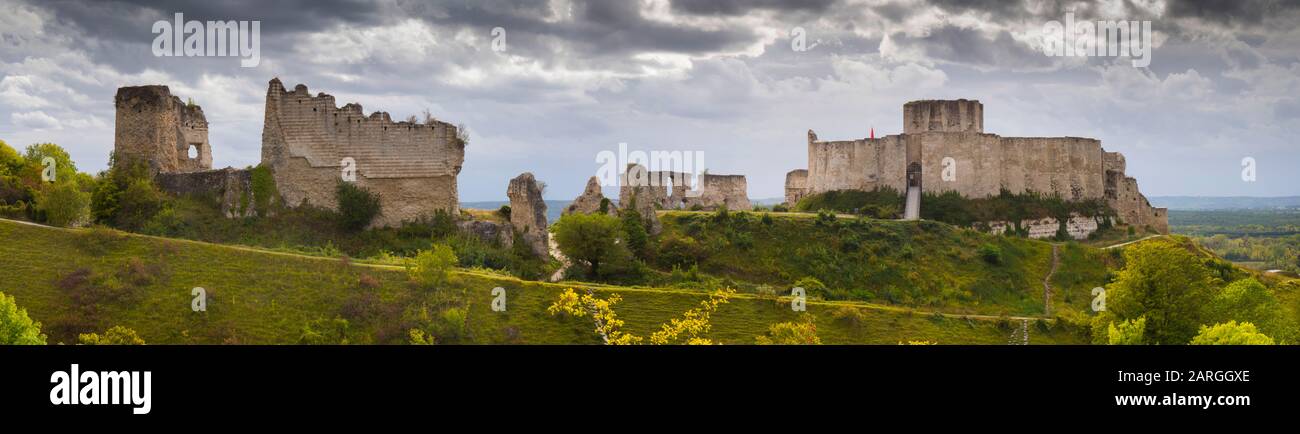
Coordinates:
(36,120)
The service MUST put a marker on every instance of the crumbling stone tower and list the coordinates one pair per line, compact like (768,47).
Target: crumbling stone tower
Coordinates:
(154,126)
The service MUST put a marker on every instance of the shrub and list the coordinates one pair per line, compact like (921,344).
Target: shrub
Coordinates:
(504,212)
(262,184)
(357,206)
(851,316)
(791,333)
(675,250)
(990,254)
(812,286)
(432,268)
(443,225)
(64,204)
(780,207)
(325,332)
(825,218)
(367,281)
(117,335)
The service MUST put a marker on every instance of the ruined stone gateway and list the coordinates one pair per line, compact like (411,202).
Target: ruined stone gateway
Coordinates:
(309,144)
(949,134)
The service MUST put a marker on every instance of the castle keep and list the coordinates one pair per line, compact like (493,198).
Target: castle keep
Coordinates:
(153,125)
(949,134)
(308,143)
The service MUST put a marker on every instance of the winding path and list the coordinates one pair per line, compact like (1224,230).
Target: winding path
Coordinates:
(1047,280)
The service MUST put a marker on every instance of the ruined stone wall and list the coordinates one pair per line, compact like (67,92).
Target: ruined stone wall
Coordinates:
(412,166)
(232,188)
(719,191)
(796,186)
(154,126)
(636,192)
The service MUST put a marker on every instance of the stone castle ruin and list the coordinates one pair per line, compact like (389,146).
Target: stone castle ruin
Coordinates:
(948,135)
(308,144)
(153,125)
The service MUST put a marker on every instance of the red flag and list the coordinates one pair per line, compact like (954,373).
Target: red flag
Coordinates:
(873,132)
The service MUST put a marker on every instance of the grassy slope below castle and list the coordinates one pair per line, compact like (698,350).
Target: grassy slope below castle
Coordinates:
(76,281)
(922,264)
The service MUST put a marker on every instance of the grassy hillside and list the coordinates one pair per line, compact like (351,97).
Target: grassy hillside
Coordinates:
(76,281)
(921,264)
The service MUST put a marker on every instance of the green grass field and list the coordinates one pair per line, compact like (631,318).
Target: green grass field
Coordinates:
(262,297)
(925,265)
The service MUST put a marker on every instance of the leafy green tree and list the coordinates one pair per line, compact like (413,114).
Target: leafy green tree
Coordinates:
(1248,301)
(1231,333)
(64,168)
(117,335)
(1167,285)
(64,204)
(591,239)
(125,196)
(16,328)
(10,162)
(634,232)
(357,206)
(432,268)
(1127,332)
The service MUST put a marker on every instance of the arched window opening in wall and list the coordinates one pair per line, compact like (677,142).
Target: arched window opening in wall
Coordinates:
(193,151)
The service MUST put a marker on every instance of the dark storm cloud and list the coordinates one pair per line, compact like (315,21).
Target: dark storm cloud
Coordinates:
(1247,12)
(123,19)
(742,7)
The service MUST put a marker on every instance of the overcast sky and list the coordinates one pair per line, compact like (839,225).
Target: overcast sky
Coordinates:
(719,76)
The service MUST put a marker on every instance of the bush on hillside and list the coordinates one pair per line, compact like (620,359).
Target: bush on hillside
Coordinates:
(64,204)
(357,206)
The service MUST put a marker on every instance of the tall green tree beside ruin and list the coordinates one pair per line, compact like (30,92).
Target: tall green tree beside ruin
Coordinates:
(63,204)
(1167,285)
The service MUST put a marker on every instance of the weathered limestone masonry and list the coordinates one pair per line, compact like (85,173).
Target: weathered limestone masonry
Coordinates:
(528,213)
(412,166)
(1079,227)
(590,200)
(637,192)
(153,125)
(981,164)
(233,187)
(796,186)
(723,191)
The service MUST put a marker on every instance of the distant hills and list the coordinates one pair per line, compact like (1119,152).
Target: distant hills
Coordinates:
(1202,203)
